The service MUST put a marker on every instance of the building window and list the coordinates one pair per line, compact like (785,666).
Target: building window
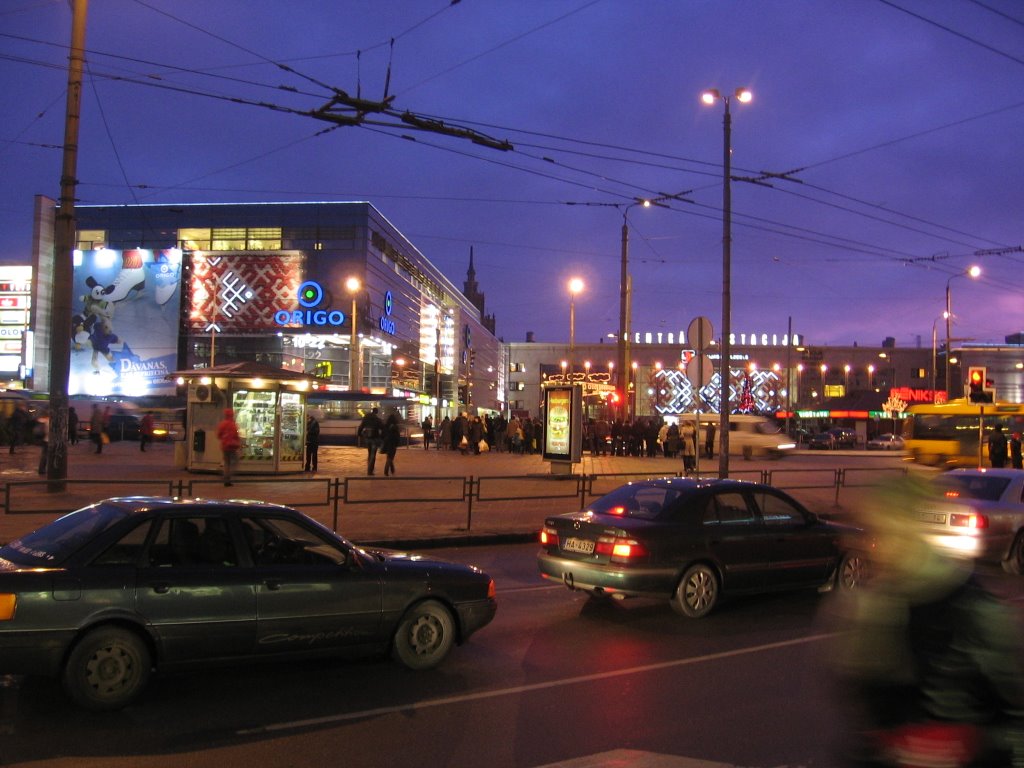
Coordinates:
(516,386)
(91,239)
(194,239)
(517,367)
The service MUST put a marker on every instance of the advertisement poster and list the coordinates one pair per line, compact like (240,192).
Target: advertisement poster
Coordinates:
(125,318)
(563,424)
(246,291)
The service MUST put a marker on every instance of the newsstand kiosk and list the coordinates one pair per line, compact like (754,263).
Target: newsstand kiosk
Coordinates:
(269,405)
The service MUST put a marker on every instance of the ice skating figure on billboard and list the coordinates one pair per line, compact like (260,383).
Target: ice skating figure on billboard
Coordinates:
(125,332)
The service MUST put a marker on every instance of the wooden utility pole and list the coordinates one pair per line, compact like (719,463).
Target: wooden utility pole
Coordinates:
(63,268)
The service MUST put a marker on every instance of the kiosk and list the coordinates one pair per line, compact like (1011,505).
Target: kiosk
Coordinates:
(270,410)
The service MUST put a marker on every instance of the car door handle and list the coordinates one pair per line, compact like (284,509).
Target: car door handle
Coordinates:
(162,588)
(272,584)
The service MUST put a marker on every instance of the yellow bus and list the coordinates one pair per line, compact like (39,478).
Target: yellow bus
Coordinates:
(955,434)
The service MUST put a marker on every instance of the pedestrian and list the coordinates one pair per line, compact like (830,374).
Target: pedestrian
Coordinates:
(928,660)
(687,436)
(371,430)
(19,424)
(444,435)
(146,431)
(227,433)
(312,443)
(96,432)
(389,443)
(476,434)
(72,426)
(709,440)
(1015,456)
(428,432)
(997,447)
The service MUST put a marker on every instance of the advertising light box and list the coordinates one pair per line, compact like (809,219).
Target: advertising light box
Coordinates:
(125,319)
(563,424)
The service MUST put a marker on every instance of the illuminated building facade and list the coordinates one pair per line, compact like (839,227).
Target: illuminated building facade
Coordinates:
(175,287)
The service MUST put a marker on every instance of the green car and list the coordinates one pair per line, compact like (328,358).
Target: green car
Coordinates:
(106,595)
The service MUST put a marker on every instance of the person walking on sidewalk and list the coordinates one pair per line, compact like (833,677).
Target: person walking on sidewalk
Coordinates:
(370,430)
(428,432)
(146,431)
(392,436)
(72,426)
(227,433)
(312,442)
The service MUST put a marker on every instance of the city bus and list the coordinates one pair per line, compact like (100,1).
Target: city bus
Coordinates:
(955,434)
(339,414)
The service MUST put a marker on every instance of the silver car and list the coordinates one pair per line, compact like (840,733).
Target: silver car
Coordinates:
(983,517)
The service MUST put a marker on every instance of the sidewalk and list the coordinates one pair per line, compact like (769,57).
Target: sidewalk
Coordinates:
(420,504)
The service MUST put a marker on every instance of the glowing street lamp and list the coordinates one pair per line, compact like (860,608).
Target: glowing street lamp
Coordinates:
(709,97)
(871,376)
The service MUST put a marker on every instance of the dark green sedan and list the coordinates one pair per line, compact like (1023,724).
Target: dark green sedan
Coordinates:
(689,541)
(106,595)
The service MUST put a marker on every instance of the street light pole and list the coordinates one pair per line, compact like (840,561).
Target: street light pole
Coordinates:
(575,286)
(626,308)
(355,373)
(971,272)
(709,97)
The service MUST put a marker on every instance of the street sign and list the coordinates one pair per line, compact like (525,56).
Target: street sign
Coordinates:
(700,333)
(700,370)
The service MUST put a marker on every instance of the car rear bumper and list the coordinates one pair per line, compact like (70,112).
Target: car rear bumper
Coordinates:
(608,579)
(33,653)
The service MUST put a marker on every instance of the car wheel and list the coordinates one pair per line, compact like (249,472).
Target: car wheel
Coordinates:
(107,669)
(853,570)
(425,635)
(1014,562)
(697,592)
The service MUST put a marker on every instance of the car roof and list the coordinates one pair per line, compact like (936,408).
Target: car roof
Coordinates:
(697,482)
(147,504)
(987,472)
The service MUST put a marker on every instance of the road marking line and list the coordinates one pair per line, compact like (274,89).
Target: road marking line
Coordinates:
(529,589)
(418,705)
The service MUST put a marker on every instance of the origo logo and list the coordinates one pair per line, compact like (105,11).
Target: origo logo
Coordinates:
(310,296)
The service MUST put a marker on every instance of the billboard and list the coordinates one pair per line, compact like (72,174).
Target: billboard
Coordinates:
(246,292)
(125,321)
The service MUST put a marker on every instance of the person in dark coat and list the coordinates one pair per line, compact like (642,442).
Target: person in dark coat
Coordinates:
(997,447)
(371,430)
(709,440)
(389,443)
(312,443)
(1016,460)
(72,426)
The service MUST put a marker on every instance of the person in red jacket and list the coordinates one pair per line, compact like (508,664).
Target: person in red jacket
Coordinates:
(227,433)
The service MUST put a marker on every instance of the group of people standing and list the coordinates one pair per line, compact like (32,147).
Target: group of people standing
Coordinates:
(472,434)
(650,437)
(999,448)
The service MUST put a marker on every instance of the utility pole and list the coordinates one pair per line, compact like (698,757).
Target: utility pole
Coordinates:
(63,269)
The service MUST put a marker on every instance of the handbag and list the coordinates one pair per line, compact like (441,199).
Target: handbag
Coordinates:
(104,438)
(464,442)
(483,446)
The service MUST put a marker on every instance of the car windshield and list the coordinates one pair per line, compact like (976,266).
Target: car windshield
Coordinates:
(978,487)
(636,500)
(52,543)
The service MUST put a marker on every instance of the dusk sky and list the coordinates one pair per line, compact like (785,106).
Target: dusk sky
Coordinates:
(898,122)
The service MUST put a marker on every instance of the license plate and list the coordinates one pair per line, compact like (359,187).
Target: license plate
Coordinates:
(931,517)
(582,546)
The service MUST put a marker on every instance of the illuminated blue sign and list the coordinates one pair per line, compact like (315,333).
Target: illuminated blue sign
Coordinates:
(310,294)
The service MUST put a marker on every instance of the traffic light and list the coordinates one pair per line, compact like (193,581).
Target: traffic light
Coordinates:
(977,381)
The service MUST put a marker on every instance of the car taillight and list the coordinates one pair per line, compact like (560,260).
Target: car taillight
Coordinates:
(620,549)
(492,591)
(549,537)
(969,520)
(8,603)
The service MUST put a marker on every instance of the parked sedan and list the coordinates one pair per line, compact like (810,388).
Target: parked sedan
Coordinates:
(689,541)
(105,595)
(886,442)
(981,515)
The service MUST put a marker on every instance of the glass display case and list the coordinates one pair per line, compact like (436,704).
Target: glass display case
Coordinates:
(292,430)
(255,414)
